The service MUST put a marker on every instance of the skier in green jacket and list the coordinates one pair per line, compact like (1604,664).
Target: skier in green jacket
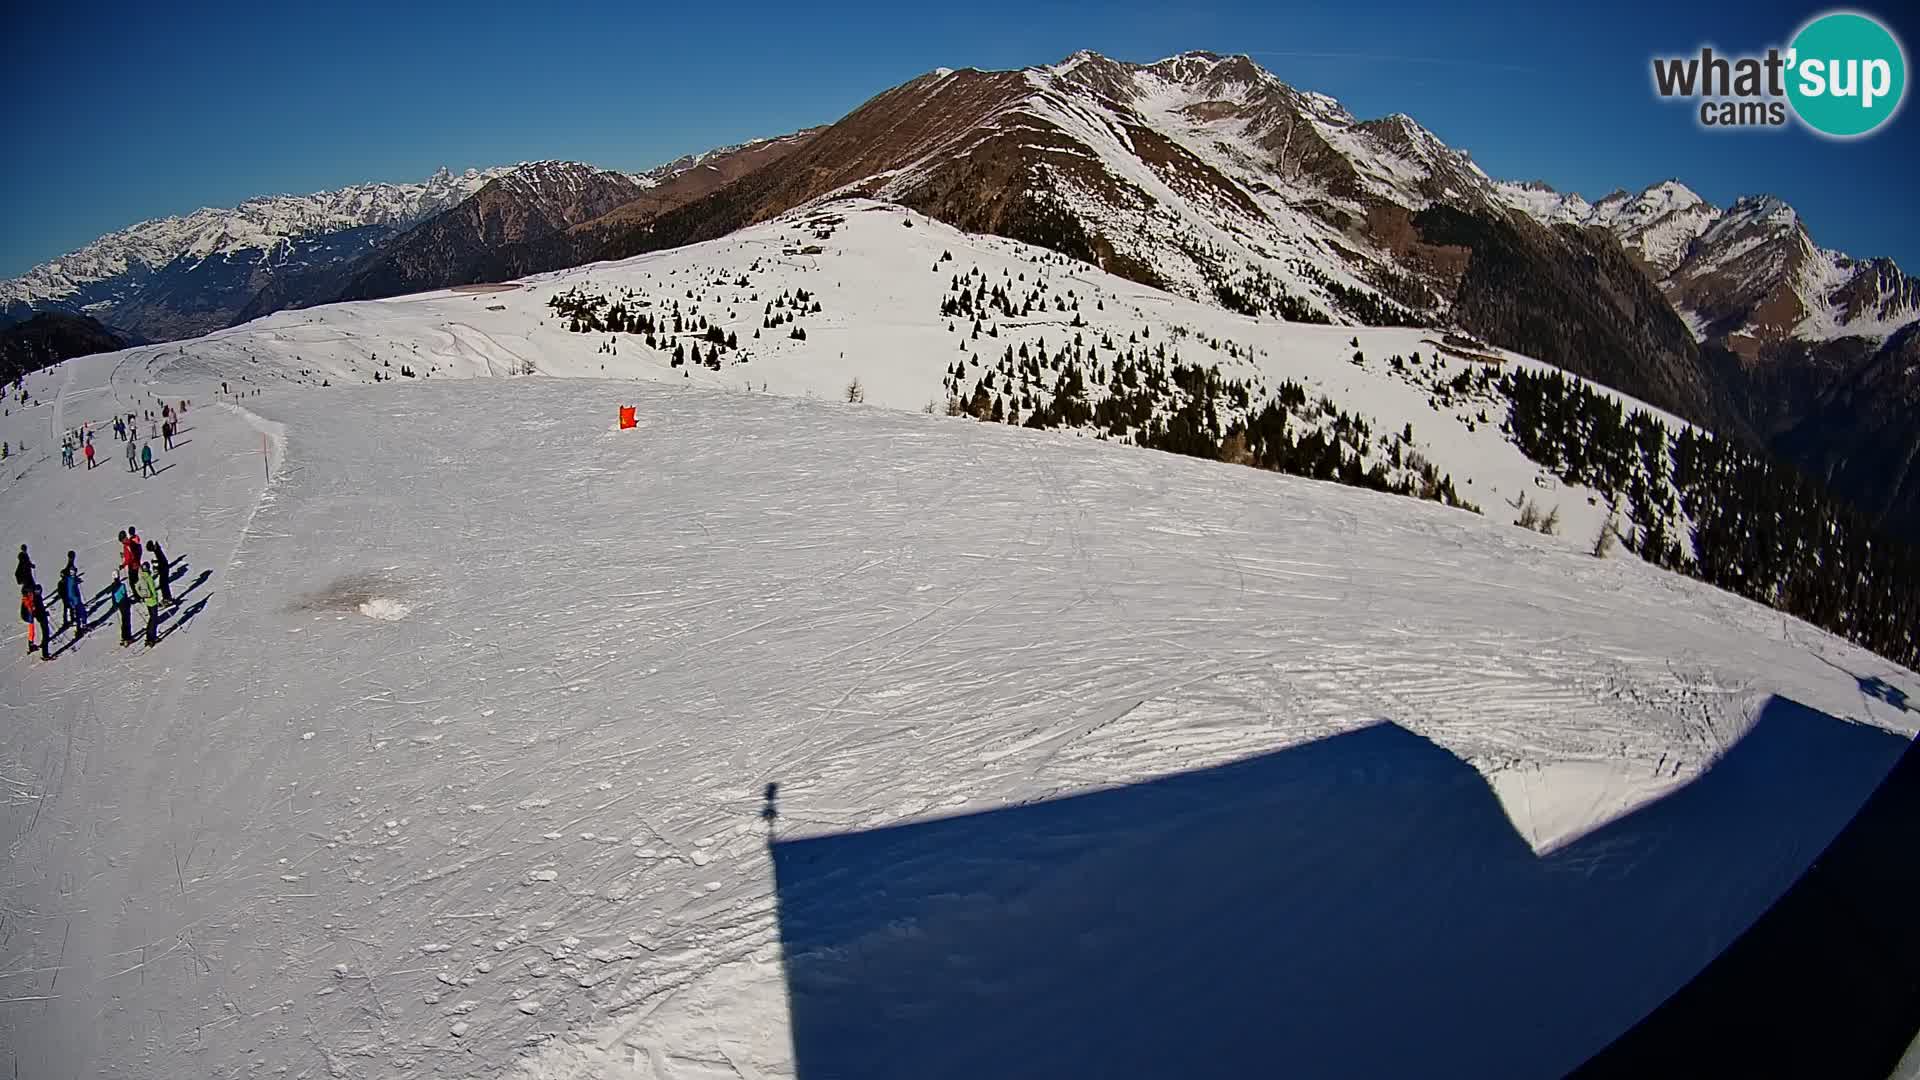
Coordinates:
(148,590)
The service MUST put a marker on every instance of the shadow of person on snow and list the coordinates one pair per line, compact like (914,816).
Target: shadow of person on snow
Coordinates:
(169,621)
(1361,905)
(180,594)
(61,647)
(1876,687)
(100,614)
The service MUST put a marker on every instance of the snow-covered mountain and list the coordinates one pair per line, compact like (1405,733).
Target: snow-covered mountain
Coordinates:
(1656,225)
(1200,173)
(494,234)
(1208,176)
(1813,346)
(1756,274)
(179,277)
(786,737)
(104,272)
(457,247)
(1750,274)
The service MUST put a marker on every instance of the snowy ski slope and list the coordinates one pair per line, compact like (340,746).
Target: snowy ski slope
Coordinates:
(455,760)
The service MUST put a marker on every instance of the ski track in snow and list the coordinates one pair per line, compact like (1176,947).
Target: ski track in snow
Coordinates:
(459,771)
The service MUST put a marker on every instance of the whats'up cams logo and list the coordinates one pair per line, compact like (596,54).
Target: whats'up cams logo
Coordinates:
(1843,75)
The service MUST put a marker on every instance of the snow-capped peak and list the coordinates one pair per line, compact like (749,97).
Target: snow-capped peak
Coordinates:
(1068,65)
(258,223)
(1541,202)
(549,177)
(1675,193)
(1768,210)
(1658,224)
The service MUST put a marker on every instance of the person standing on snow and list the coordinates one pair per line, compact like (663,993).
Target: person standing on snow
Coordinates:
(146,461)
(123,603)
(149,594)
(73,607)
(23,573)
(129,558)
(162,567)
(88,450)
(133,453)
(166,432)
(33,612)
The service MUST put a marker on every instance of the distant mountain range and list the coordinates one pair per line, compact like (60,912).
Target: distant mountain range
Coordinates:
(184,276)
(1201,174)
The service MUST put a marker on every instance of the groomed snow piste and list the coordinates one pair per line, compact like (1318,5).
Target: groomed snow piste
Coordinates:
(787,737)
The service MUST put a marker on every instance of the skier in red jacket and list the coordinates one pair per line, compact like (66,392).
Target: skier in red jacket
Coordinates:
(130,552)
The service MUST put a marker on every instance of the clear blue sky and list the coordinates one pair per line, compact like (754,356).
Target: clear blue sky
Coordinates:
(123,111)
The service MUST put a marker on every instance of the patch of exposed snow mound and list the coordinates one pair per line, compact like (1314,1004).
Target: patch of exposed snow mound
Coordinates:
(385,609)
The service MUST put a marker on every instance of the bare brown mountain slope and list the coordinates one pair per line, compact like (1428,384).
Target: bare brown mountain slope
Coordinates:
(519,223)
(695,177)
(465,244)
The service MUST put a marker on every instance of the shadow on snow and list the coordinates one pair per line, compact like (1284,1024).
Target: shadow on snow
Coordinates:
(1356,906)
(1826,983)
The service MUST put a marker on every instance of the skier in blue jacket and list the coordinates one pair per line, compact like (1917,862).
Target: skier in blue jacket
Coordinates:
(73,605)
(123,602)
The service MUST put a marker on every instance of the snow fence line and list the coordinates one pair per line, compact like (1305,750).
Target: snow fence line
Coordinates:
(272,431)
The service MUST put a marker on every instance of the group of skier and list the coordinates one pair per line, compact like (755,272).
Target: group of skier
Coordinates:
(144,573)
(163,425)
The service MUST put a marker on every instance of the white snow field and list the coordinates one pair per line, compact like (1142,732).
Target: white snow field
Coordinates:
(798,738)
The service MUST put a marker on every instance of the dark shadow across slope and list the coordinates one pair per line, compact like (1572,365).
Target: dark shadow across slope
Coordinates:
(1357,906)
(1826,983)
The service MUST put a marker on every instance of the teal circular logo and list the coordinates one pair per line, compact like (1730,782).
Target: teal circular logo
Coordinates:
(1847,75)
